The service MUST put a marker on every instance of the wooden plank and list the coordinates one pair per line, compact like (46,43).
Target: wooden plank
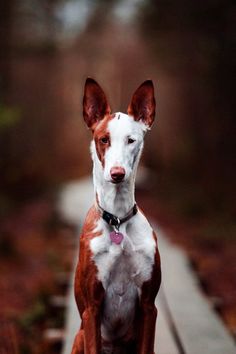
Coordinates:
(72,321)
(164,339)
(75,200)
(198,327)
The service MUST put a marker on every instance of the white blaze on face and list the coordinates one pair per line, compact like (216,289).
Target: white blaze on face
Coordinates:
(126,143)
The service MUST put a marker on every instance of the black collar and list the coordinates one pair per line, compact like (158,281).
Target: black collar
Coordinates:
(114,220)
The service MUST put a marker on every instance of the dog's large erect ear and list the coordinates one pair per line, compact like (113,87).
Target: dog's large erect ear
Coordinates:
(142,105)
(95,105)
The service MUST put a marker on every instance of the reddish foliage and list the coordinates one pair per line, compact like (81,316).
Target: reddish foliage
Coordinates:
(32,255)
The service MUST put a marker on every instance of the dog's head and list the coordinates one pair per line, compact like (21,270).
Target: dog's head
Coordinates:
(118,138)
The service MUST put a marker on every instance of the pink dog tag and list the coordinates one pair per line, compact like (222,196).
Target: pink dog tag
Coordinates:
(116,237)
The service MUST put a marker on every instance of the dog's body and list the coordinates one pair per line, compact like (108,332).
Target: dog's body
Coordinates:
(117,279)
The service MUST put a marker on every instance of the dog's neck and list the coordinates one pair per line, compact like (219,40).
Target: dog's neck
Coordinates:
(117,199)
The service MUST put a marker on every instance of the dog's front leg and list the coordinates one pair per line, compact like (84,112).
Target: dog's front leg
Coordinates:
(89,294)
(147,309)
(92,332)
(148,317)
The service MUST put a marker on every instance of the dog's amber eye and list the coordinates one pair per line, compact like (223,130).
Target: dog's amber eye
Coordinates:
(131,141)
(104,140)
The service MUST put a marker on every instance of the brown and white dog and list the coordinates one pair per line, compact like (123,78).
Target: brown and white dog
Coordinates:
(118,273)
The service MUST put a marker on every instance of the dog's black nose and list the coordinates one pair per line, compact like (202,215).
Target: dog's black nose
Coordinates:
(117,174)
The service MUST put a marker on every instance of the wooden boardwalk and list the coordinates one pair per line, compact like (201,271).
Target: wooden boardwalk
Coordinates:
(186,322)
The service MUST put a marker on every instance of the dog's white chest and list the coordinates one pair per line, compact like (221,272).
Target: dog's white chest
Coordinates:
(136,252)
(123,269)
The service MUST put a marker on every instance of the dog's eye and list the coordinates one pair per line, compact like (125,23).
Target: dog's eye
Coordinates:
(131,141)
(104,140)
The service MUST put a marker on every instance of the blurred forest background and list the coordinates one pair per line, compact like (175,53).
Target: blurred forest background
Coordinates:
(48,48)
